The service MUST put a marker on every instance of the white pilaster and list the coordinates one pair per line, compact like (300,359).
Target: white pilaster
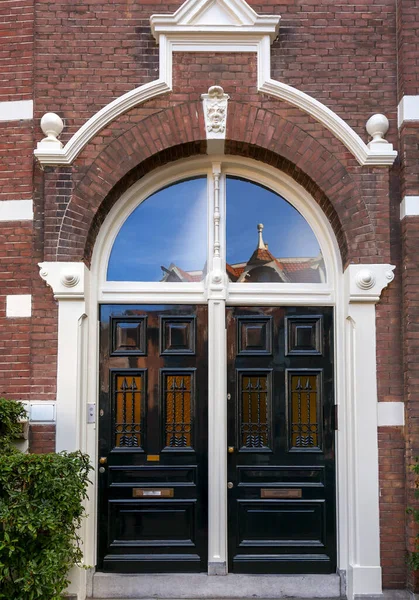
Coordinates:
(217,440)
(364,284)
(68,281)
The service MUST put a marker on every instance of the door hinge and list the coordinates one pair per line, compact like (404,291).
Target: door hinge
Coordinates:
(335,424)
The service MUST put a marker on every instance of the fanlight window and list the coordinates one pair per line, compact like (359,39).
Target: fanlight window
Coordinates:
(165,237)
(268,240)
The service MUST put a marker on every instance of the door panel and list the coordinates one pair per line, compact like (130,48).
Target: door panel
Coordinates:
(153,439)
(281,442)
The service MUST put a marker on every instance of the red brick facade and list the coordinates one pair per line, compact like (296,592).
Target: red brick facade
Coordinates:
(74,58)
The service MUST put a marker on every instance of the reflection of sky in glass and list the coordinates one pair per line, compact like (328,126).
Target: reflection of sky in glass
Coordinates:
(285,230)
(169,227)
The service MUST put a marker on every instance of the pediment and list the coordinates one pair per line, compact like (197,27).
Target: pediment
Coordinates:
(215,16)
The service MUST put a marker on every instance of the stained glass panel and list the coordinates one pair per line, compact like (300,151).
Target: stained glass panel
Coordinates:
(255,417)
(304,409)
(178,398)
(129,390)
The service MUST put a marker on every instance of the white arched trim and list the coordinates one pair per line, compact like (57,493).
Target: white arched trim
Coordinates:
(277,181)
(79,292)
(220,26)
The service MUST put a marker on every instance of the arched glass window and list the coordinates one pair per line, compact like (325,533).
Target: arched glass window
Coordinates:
(165,237)
(268,240)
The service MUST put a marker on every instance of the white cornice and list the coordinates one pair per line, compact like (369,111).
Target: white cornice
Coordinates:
(217,26)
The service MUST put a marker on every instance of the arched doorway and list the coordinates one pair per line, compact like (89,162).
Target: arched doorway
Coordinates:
(181,268)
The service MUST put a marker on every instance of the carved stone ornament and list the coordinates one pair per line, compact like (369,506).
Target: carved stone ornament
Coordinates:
(366,282)
(67,280)
(215,114)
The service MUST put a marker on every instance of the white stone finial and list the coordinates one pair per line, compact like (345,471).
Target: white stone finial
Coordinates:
(377,126)
(52,125)
(261,243)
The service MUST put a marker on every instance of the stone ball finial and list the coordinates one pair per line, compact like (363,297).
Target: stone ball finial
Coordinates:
(377,126)
(52,125)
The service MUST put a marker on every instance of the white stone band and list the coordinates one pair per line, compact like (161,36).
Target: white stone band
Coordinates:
(409,207)
(18,305)
(408,109)
(16,110)
(390,414)
(16,210)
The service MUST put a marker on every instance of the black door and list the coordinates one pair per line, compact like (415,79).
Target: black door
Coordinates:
(153,439)
(281,461)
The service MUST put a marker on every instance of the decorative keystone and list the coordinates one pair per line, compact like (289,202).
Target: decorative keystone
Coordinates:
(377,126)
(52,125)
(215,114)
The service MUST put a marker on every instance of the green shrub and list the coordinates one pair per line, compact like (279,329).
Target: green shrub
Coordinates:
(41,510)
(10,428)
(413,557)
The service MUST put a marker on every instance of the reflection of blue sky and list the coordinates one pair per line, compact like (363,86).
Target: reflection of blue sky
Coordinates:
(285,230)
(169,227)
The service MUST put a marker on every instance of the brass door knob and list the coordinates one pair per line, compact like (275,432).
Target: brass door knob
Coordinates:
(230,485)
(103,460)
(230,449)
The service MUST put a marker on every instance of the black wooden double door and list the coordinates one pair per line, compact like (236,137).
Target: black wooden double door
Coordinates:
(153,439)
(153,442)
(281,466)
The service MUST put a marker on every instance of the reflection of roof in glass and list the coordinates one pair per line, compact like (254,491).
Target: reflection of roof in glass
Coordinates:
(261,266)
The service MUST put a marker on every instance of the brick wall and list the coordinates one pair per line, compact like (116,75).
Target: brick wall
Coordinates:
(88,53)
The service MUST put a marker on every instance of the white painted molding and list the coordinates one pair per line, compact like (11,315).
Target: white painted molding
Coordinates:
(67,279)
(16,110)
(16,210)
(409,207)
(18,305)
(408,109)
(390,414)
(218,26)
(222,17)
(215,104)
(364,283)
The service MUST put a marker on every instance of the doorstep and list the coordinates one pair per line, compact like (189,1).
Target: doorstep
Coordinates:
(110,586)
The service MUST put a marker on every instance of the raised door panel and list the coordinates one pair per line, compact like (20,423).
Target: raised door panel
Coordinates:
(280,381)
(153,439)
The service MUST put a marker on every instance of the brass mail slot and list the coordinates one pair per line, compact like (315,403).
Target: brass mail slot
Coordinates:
(152,493)
(281,493)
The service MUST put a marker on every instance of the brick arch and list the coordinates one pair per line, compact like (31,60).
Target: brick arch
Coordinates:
(271,138)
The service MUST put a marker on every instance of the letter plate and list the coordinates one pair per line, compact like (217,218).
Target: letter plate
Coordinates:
(152,493)
(281,493)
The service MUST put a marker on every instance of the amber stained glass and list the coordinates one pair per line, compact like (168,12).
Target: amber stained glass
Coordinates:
(254,400)
(129,391)
(178,390)
(304,411)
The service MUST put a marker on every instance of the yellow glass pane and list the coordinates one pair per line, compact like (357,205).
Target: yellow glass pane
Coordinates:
(254,411)
(305,428)
(178,399)
(128,397)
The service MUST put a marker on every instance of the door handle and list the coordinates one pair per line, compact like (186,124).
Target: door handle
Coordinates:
(230,449)
(230,485)
(103,460)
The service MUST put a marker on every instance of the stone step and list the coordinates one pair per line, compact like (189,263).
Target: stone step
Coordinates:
(110,586)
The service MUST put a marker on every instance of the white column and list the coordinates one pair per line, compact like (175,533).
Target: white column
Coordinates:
(68,281)
(364,284)
(217,381)
(217,440)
